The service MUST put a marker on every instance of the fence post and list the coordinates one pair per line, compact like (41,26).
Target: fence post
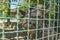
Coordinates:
(8,20)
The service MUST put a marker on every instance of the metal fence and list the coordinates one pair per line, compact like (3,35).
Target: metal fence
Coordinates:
(31,20)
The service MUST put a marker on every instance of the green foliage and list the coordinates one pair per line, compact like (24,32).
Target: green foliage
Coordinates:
(0,10)
(27,3)
(31,2)
(6,10)
(51,13)
(23,8)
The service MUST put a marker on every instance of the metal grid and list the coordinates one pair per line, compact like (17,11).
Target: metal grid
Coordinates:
(34,25)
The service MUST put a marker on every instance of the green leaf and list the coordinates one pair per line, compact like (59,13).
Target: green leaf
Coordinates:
(23,8)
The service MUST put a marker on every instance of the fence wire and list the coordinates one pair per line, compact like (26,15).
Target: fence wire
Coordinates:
(29,19)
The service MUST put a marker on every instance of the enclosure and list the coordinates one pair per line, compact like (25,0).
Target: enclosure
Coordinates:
(29,19)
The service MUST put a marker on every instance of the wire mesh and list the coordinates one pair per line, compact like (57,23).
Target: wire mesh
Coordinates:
(30,20)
